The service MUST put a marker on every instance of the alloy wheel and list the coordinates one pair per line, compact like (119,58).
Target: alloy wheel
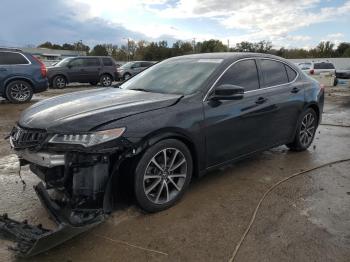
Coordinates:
(307,130)
(106,81)
(60,82)
(165,175)
(20,92)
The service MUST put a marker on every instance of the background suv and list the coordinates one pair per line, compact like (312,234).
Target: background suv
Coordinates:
(132,68)
(316,68)
(87,69)
(21,75)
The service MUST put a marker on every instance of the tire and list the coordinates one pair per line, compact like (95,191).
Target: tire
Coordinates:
(59,82)
(335,83)
(19,92)
(162,189)
(305,131)
(126,76)
(106,80)
(93,83)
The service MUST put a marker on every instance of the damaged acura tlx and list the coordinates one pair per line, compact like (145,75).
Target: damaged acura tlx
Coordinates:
(177,119)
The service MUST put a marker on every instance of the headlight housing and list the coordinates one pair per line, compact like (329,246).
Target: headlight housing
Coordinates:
(88,139)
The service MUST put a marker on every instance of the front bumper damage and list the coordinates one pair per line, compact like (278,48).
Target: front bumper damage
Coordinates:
(32,240)
(76,191)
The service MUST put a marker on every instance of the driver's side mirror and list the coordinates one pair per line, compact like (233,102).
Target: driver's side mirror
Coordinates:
(227,92)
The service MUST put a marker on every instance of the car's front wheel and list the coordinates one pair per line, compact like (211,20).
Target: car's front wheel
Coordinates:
(305,132)
(19,92)
(162,175)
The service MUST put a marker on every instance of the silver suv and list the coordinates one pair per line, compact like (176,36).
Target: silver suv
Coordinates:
(132,68)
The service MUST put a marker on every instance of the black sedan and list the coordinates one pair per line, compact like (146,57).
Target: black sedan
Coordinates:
(176,120)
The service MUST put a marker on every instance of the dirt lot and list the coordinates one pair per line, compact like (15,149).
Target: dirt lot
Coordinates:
(305,219)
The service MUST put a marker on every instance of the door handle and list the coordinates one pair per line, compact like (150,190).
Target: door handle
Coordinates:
(260,100)
(295,90)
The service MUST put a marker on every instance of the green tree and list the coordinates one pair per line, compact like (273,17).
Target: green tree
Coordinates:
(99,50)
(342,48)
(211,45)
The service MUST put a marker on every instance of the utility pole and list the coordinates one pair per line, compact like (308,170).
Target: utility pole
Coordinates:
(128,54)
(228,45)
(194,45)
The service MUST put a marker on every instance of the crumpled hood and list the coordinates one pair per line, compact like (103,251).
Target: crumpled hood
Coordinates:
(84,110)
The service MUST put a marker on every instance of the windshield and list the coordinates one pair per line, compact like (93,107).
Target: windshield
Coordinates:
(127,65)
(174,76)
(64,62)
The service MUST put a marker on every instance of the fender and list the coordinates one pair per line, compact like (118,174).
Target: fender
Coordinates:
(11,78)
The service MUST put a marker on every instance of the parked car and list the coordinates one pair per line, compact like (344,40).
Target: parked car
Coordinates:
(316,68)
(84,69)
(130,69)
(343,73)
(21,75)
(177,119)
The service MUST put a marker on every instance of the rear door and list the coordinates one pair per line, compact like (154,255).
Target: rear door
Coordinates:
(92,68)
(236,128)
(286,97)
(12,63)
(75,70)
(136,68)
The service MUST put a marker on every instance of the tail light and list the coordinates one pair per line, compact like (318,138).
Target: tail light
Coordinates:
(43,69)
(312,72)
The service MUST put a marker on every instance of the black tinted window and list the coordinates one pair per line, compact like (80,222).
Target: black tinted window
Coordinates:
(274,72)
(91,61)
(242,74)
(77,62)
(107,61)
(291,73)
(323,66)
(145,64)
(9,58)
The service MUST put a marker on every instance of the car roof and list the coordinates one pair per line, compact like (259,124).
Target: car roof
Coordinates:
(230,56)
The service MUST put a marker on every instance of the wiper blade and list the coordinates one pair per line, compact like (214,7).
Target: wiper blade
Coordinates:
(140,89)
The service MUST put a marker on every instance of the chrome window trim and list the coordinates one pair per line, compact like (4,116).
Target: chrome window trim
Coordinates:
(252,58)
(29,63)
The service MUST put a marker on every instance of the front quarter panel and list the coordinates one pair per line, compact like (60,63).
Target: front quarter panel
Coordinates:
(182,120)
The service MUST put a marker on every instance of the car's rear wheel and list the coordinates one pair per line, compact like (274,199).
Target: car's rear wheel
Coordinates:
(19,92)
(126,76)
(162,175)
(305,132)
(59,82)
(106,80)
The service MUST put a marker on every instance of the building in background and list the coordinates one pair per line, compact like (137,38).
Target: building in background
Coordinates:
(51,56)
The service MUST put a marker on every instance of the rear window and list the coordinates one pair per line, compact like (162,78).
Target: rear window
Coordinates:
(291,73)
(92,62)
(274,72)
(323,66)
(10,58)
(107,62)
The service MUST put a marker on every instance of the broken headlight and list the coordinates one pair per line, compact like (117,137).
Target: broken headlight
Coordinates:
(88,139)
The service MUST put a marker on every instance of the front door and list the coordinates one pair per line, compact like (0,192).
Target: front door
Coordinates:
(76,70)
(234,127)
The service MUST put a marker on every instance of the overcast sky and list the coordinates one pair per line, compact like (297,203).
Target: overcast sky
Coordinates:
(288,23)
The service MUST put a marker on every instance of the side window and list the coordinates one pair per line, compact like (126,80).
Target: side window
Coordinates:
(291,73)
(10,58)
(244,74)
(91,61)
(145,64)
(77,62)
(274,72)
(107,61)
(136,65)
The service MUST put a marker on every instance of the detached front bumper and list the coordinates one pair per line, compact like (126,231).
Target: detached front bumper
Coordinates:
(32,240)
(80,198)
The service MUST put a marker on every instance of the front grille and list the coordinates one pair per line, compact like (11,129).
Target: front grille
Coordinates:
(25,138)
